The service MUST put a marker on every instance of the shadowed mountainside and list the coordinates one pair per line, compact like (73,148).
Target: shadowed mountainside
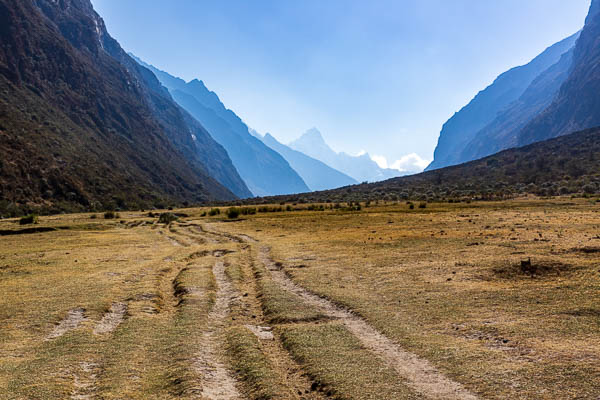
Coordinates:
(465,125)
(81,128)
(504,130)
(577,105)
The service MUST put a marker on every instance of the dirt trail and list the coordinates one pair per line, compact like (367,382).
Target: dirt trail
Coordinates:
(296,383)
(72,320)
(218,384)
(419,373)
(111,319)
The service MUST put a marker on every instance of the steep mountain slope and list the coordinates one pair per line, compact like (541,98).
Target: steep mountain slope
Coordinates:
(564,165)
(78,129)
(361,168)
(577,105)
(503,132)
(264,170)
(316,174)
(464,125)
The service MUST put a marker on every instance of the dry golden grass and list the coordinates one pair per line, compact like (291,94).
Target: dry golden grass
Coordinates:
(444,283)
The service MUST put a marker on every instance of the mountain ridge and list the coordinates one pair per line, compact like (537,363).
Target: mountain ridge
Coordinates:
(316,174)
(264,170)
(577,105)
(465,124)
(361,168)
(76,127)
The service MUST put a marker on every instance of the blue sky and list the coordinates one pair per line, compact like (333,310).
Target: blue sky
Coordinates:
(380,76)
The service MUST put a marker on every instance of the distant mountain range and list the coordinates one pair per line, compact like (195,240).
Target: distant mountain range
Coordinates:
(316,174)
(361,168)
(84,126)
(565,165)
(264,170)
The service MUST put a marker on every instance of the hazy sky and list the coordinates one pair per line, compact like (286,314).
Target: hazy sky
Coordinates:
(375,75)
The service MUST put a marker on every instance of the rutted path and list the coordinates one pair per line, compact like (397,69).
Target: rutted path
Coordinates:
(71,321)
(218,384)
(420,374)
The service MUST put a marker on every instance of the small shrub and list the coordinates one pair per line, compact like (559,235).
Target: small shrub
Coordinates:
(411,206)
(203,214)
(110,215)
(214,211)
(28,219)
(422,205)
(93,216)
(233,213)
(167,218)
(589,189)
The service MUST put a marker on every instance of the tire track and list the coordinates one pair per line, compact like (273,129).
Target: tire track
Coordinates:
(422,377)
(112,319)
(74,317)
(218,384)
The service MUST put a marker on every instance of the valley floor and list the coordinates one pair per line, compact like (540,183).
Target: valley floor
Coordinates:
(384,303)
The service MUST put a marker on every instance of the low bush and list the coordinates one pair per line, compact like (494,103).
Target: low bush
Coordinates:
(167,218)
(233,213)
(214,211)
(29,219)
(110,215)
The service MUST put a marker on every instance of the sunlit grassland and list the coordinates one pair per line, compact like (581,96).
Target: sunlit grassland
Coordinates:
(445,282)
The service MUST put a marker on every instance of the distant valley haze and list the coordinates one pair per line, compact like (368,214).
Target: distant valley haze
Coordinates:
(378,77)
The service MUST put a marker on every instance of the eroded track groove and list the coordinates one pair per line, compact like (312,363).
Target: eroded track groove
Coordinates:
(421,376)
(218,384)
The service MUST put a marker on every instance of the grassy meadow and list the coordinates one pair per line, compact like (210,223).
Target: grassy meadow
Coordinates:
(490,300)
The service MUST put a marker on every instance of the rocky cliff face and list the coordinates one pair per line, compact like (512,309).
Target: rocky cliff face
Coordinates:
(577,105)
(458,132)
(81,126)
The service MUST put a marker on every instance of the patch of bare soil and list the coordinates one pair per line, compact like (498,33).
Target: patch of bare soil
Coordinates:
(261,332)
(84,384)
(71,321)
(111,319)
(418,372)
(218,384)
(246,238)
